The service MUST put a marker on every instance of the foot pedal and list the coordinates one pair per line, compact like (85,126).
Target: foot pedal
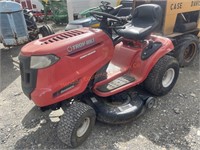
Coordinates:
(117,83)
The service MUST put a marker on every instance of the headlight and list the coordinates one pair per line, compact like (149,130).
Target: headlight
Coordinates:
(72,26)
(39,62)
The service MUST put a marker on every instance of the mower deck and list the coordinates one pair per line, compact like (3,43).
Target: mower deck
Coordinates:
(121,108)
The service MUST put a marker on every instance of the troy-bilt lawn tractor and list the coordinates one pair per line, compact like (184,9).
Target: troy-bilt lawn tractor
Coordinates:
(95,73)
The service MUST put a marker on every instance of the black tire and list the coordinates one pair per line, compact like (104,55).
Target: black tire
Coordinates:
(156,83)
(186,49)
(46,30)
(40,19)
(71,122)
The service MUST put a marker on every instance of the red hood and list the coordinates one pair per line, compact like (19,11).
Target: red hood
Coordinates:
(65,43)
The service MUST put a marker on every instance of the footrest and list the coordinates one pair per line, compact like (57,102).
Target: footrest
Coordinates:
(117,83)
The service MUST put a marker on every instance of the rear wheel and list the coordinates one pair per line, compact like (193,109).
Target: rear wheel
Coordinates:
(186,50)
(163,76)
(76,124)
(46,30)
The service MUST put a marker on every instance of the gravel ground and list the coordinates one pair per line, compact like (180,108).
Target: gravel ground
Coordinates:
(172,124)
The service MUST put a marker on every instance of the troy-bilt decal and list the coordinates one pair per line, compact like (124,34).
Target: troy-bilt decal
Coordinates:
(80,46)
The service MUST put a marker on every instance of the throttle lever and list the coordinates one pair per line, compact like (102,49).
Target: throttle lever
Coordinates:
(117,27)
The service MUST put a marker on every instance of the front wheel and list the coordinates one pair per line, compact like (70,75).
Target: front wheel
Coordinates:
(76,124)
(163,76)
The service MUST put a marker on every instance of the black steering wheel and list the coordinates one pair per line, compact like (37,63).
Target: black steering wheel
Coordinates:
(102,16)
(105,3)
(105,7)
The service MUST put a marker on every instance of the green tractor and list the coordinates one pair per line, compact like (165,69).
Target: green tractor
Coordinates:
(124,8)
(86,13)
(58,9)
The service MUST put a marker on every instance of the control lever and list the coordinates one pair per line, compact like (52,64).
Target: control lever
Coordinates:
(150,44)
(117,27)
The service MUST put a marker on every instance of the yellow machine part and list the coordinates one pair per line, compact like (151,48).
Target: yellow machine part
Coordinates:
(173,8)
(118,2)
(97,25)
(46,1)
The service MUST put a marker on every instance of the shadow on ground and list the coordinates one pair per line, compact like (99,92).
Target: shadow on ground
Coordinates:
(163,132)
(9,69)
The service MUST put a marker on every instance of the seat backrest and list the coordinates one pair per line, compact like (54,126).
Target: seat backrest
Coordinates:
(125,11)
(148,13)
(146,19)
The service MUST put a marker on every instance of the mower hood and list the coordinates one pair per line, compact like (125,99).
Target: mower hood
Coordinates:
(65,43)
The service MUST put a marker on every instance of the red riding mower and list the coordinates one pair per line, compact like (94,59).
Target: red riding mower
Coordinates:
(95,73)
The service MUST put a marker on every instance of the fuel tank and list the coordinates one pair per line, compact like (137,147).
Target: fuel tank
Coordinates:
(81,54)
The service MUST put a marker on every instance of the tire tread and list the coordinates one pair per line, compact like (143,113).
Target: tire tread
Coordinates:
(67,123)
(152,82)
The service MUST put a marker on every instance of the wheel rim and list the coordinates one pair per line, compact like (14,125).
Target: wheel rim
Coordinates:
(189,52)
(83,128)
(168,77)
(150,102)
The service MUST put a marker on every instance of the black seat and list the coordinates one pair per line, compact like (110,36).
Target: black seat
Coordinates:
(125,11)
(146,19)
